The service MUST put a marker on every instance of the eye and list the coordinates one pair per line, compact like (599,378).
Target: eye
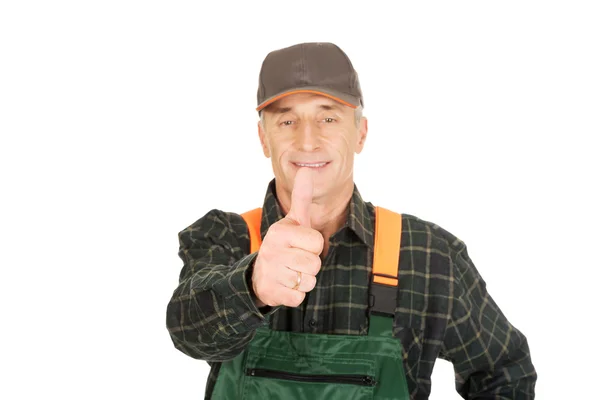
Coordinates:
(286,123)
(329,120)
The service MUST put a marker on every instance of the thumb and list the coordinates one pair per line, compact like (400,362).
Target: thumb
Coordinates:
(302,196)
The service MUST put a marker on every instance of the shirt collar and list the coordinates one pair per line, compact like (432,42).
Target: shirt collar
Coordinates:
(360,218)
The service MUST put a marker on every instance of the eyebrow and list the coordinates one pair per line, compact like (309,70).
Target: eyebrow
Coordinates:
(283,110)
(329,107)
(280,110)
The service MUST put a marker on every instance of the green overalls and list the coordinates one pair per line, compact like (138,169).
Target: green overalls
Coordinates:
(292,365)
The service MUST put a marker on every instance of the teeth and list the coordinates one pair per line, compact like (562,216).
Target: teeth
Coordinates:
(311,165)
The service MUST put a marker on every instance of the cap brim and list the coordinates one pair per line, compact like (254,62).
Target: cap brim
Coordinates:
(345,99)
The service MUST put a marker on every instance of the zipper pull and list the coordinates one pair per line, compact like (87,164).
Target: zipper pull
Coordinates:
(369,381)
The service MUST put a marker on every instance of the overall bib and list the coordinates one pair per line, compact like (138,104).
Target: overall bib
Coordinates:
(292,365)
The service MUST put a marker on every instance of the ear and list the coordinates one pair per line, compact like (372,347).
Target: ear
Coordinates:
(363,128)
(263,140)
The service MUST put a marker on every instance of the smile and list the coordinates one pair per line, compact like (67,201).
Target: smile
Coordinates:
(312,165)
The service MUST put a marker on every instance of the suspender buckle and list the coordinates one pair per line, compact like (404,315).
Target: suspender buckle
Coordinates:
(382,299)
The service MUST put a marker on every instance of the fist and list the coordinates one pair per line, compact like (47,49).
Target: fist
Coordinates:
(290,251)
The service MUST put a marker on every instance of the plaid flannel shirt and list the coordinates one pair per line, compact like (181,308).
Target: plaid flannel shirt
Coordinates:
(443,308)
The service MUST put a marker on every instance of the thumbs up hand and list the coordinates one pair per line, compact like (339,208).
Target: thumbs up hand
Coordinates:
(288,260)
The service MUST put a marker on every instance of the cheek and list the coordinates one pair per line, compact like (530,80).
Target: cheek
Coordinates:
(342,144)
(279,150)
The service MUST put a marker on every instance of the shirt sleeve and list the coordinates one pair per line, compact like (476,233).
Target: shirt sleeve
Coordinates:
(212,314)
(491,357)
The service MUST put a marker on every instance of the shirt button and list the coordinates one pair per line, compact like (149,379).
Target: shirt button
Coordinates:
(312,323)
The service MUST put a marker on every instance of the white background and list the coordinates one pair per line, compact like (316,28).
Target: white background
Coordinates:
(122,122)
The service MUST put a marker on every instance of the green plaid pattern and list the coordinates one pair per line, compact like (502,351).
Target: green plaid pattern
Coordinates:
(443,309)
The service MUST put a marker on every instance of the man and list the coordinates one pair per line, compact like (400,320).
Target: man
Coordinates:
(302,316)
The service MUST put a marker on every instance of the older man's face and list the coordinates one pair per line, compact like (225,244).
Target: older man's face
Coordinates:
(305,129)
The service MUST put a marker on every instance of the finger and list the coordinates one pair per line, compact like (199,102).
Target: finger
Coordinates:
(301,260)
(307,283)
(287,233)
(289,279)
(307,239)
(302,195)
(281,295)
(289,297)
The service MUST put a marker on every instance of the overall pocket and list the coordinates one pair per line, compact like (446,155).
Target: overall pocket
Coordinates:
(361,380)
(263,383)
(283,365)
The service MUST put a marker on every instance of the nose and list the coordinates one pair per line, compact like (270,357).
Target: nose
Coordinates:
(308,137)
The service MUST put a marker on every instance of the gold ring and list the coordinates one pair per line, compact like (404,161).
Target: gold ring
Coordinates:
(299,279)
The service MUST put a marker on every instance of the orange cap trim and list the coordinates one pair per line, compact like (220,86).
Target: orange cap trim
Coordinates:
(386,254)
(253,219)
(305,91)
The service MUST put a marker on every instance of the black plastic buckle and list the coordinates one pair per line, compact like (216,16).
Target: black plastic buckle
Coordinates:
(382,299)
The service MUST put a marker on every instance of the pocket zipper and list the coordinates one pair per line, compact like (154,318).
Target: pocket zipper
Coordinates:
(362,380)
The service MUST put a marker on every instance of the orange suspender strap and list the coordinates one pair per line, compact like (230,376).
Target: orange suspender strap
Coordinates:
(386,259)
(386,256)
(253,219)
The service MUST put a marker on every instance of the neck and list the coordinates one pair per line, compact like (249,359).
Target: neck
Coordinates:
(328,213)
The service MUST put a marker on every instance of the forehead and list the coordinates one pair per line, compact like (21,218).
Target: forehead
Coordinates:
(305,100)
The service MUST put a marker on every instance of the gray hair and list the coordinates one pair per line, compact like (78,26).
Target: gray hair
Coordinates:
(358,113)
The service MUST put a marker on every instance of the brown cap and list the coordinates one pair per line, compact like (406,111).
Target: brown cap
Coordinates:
(321,68)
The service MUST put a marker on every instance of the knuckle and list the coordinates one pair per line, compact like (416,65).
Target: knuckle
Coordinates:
(318,241)
(266,255)
(316,265)
(291,280)
(275,229)
(320,238)
(305,259)
(298,298)
(272,234)
(294,299)
(278,233)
